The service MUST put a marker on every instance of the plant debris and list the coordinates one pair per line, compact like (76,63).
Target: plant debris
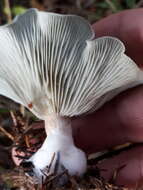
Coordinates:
(89,182)
(26,140)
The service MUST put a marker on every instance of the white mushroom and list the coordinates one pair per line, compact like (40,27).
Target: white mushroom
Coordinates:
(51,64)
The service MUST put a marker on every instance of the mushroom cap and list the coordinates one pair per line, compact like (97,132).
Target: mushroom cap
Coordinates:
(51,63)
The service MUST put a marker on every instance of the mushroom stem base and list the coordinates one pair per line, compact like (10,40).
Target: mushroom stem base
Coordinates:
(59,148)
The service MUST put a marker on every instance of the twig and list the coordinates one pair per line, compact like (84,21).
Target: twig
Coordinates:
(49,167)
(115,173)
(52,178)
(8,11)
(27,141)
(114,152)
(111,5)
(22,110)
(78,4)
(6,133)
(139,4)
(13,118)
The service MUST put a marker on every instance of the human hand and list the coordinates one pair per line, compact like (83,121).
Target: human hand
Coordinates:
(120,120)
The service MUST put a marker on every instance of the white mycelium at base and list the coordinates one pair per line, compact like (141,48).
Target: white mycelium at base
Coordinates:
(59,141)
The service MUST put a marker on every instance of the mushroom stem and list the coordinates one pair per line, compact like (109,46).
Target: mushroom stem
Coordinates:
(60,125)
(59,142)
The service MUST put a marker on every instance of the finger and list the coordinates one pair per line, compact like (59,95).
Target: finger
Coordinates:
(131,34)
(117,122)
(124,169)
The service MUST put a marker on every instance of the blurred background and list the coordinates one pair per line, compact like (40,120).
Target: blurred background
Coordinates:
(93,10)
(12,114)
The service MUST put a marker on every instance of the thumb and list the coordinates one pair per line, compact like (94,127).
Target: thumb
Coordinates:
(117,122)
(117,25)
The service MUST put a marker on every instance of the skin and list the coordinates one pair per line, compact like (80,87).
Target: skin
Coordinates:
(120,120)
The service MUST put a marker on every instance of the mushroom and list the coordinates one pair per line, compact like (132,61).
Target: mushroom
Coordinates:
(53,65)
